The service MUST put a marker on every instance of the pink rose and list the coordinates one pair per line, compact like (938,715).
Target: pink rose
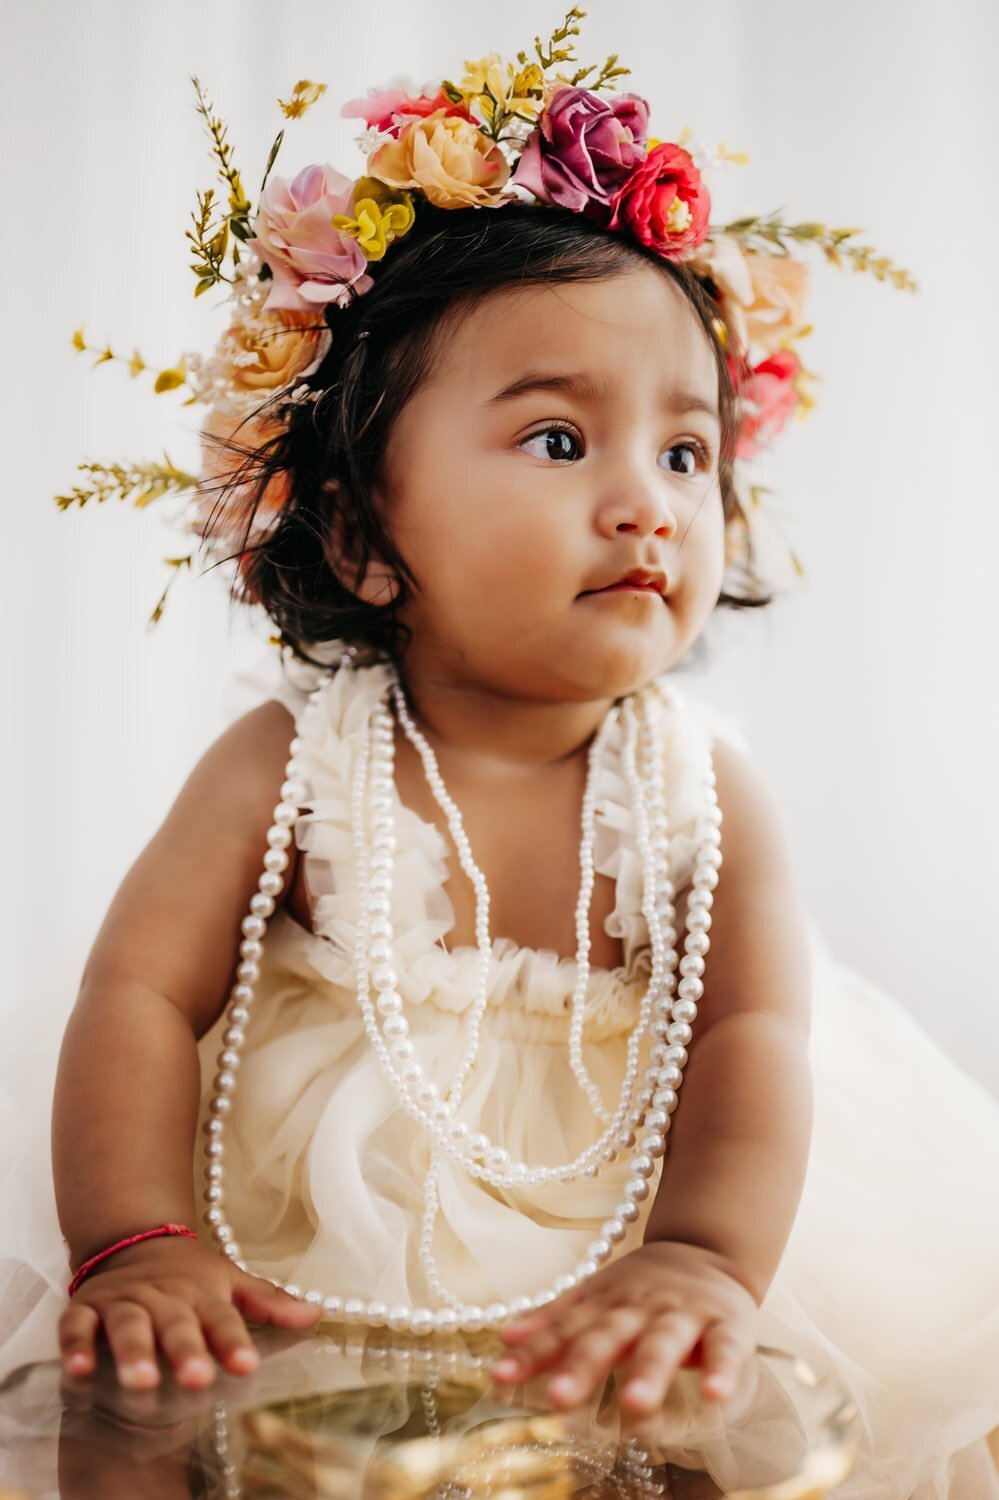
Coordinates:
(311,261)
(392,109)
(583,149)
(769,396)
(664,203)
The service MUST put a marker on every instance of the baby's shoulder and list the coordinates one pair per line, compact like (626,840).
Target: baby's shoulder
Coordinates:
(237,780)
(174,923)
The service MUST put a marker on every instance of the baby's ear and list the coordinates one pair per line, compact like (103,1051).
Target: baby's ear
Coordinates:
(379,583)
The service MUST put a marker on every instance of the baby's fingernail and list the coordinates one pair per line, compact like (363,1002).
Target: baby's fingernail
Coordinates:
(505,1366)
(719,1385)
(140,1373)
(639,1390)
(78,1364)
(563,1385)
(244,1359)
(195,1369)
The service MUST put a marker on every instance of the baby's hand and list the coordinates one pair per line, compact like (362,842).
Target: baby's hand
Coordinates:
(649,1310)
(178,1294)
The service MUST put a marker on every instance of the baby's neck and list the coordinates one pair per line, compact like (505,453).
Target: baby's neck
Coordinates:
(486,732)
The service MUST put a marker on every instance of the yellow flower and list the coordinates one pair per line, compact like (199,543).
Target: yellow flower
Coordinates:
(508,88)
(303,96)
(381,215)
(447,158)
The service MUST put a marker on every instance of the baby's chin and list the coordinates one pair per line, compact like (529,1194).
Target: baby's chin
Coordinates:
(610,669)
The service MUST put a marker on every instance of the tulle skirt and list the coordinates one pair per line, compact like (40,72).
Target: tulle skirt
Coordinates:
(890,1278)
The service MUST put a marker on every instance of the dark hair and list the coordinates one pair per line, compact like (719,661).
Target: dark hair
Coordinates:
(330,449)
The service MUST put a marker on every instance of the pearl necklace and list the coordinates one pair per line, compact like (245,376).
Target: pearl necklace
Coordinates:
(668,1021)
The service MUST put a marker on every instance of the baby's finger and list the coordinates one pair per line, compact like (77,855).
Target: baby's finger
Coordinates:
(129,1329)
(667,1340)
(587,1360)
(178,1329)
(542,1349)
(727,1347)
(227,1336)
(522,1328)
(78,1327)
(263,1302)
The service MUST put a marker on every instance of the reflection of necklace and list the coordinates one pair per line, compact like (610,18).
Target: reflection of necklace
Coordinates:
(668,1021)
(478,1463)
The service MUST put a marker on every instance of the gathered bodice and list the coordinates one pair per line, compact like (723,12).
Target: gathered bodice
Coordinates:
(529,988)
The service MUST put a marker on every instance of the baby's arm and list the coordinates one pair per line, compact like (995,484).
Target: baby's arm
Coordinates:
(128,1084)
(737,1150)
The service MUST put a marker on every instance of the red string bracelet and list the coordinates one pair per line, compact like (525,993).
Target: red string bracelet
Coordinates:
(149,1234)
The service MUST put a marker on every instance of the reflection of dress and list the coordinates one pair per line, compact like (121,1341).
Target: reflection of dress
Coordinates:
(891,1274)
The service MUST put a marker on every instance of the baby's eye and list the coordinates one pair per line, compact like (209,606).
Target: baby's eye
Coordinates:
(559,440)
(700,452)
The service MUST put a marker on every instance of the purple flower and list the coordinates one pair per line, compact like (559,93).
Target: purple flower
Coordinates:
(583,149)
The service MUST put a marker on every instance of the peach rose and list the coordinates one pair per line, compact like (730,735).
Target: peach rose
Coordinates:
(762,296)
(226,511)
(447,159)
(272,349)
(780,285)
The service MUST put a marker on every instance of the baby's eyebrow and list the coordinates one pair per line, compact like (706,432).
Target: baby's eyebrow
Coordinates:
(585,388)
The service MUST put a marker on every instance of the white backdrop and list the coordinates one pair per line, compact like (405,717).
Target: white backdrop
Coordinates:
(869,696)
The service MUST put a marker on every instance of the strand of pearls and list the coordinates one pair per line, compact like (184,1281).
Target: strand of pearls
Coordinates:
(583,903)
(667,1058)
(420,1095)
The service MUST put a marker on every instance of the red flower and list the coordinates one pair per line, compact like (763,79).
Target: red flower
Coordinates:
(664,202)
(769,396)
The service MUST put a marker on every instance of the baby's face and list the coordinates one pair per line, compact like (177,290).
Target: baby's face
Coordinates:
(512,508)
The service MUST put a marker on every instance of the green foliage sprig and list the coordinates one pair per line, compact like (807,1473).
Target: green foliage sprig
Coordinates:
(770,230)
(138,483)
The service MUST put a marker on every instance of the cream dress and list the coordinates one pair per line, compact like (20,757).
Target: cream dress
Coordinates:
(890,1277)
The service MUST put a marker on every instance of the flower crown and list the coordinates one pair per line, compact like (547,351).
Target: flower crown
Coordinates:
(535,131)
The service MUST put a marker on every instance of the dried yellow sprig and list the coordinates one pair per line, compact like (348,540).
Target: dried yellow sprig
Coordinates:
(138,483)
(170,379)
(303,97)
(563,33)
(556,54)
(771,230)
(503,92)
(211,241)
(177,563)
(239,204)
